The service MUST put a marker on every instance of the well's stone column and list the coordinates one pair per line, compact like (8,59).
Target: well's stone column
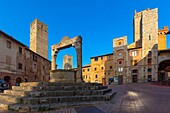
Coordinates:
(53,62)
(78,47)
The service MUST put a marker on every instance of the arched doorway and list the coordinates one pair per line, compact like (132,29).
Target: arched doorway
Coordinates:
(18,81)
(164,70)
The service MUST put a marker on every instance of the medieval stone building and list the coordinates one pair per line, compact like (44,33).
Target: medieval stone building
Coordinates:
(100,69)
(139,61)
(18,63)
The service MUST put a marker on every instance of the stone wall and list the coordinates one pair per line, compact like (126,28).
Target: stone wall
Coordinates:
(62,76)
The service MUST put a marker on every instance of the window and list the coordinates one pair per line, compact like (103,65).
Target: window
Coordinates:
(149,38)
(120,69)
(41,26)
(95,69)
(101,68)
(150,54)
(19,66)
(134,71)
(85,76)
(88,69)
(110,67)
(120,43)
(95,59)
(8,44)
(35,77)
(20,50)
(96,76)
(83,70)
(149,61)
(34,58)
(119,53)
(101,58)
(149,70)
(120,62)
(134,53)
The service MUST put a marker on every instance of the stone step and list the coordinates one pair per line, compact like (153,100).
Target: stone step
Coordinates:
(10,98)
(53,106)
(56,93)
(53,88)
(15,93)
(46,107)
(5,104)
(58,84)
(61,99)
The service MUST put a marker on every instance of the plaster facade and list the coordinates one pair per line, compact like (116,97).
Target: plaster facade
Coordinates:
(100,69)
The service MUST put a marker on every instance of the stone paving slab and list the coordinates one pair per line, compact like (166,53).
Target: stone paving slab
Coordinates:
(130,98)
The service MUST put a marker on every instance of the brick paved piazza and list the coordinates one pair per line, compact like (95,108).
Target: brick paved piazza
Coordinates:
(131,98)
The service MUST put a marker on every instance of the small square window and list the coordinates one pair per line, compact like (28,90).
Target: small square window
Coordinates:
(8,44)
(120,69)
(101,58)
(110,67)
(34,58)
(119,53)
(101,68)
(95,59)
(19,66)
(95,69)
(88,69)
(149,70)
(20,50)
(134,53)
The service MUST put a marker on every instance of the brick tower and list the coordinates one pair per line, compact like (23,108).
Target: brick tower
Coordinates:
(39,38)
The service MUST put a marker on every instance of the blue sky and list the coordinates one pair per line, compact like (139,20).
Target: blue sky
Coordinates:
(97,21)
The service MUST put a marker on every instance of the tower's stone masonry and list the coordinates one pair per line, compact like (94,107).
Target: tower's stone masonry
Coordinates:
(39,38)
(67,62)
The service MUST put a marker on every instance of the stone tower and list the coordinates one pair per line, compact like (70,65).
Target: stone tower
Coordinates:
(39,38)
(67,62)
(146,30)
